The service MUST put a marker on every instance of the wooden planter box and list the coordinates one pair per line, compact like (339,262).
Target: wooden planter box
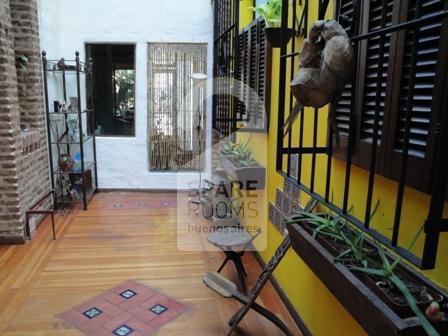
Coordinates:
(248,177)
(371,312)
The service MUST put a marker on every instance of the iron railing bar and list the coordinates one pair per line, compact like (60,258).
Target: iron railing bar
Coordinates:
(407,129)
(376,123)
(300,158)
(304,150)
(303,18)
(323,8)
(313,155)
(329,158)
(302,112)
(316,120)
(225,32)
(352,124)
(383,31)
(282,80)
(291,98)
(438,188)
(356,222)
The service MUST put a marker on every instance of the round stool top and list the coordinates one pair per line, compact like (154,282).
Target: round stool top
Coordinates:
(229,236)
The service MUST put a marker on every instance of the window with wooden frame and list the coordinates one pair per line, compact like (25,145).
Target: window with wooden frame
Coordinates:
(396,72)
(253,71)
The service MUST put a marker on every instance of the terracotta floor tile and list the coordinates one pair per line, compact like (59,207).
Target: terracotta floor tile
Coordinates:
(117,311)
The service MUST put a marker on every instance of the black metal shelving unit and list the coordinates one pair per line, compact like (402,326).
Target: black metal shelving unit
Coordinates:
(68,131)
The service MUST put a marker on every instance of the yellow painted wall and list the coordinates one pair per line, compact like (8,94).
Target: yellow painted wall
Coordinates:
(316,305)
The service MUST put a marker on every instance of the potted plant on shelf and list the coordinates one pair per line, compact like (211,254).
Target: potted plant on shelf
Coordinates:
(271,12)
(238,163)
(386,296)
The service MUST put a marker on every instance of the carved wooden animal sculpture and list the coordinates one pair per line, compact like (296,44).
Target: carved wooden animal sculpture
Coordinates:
(326,65)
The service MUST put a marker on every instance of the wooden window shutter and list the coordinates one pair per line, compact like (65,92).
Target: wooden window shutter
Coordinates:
(371,82)
(255,76)
(341,108)
(425,102)
(242,74)
(343,105)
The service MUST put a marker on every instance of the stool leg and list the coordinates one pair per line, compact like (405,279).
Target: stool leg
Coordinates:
(223,264)
(240,270)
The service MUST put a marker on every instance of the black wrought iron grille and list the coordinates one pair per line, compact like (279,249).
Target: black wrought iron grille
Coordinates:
(226,17)
(392,118)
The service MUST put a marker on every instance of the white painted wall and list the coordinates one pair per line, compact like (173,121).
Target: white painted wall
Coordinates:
(65,26)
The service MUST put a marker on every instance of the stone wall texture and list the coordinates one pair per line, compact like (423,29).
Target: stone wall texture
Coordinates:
(24,175)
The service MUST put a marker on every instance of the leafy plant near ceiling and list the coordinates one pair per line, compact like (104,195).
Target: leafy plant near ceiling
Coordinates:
(271,12)
(22,63)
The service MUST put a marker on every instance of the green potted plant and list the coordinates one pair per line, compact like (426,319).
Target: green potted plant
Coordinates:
(271,12)
(365,277)
(238,163)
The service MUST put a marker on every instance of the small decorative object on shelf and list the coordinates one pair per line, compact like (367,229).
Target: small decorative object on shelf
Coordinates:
(66,163)
(74,172)
(271,12)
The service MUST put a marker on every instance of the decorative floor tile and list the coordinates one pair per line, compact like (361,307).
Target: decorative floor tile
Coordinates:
(128,294)
(127,309)
(123,330)
(92,313)
(140,204)
(158,309)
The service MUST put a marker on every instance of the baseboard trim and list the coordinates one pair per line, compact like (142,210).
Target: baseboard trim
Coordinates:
(294,314)
(12,240)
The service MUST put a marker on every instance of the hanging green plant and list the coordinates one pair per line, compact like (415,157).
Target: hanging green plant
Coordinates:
(271,12)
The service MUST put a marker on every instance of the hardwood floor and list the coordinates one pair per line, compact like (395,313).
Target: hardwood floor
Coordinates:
(100,248)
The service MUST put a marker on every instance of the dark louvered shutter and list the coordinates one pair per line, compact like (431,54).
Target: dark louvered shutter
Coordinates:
(342,107)
(252,66)
(254,71)
(241,74)
(264,75)
(425,104)
(376,74)
(426,67)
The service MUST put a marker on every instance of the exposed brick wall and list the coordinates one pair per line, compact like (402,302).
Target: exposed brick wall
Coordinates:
(10,224)
(23,106)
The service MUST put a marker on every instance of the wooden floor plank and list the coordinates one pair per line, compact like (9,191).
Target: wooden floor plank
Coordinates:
(100,248)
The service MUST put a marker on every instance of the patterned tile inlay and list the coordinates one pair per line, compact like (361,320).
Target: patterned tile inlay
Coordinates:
(128,309)
(128,294)
(158,309)
(140,204)
(123,330)
(92,313)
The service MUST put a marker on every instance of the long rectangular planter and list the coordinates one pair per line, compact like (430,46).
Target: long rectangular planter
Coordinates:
(364,305)
(248,177)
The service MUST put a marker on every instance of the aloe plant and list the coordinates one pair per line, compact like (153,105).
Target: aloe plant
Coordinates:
(239,152)
(333,227)
(271,12)
(387,272)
